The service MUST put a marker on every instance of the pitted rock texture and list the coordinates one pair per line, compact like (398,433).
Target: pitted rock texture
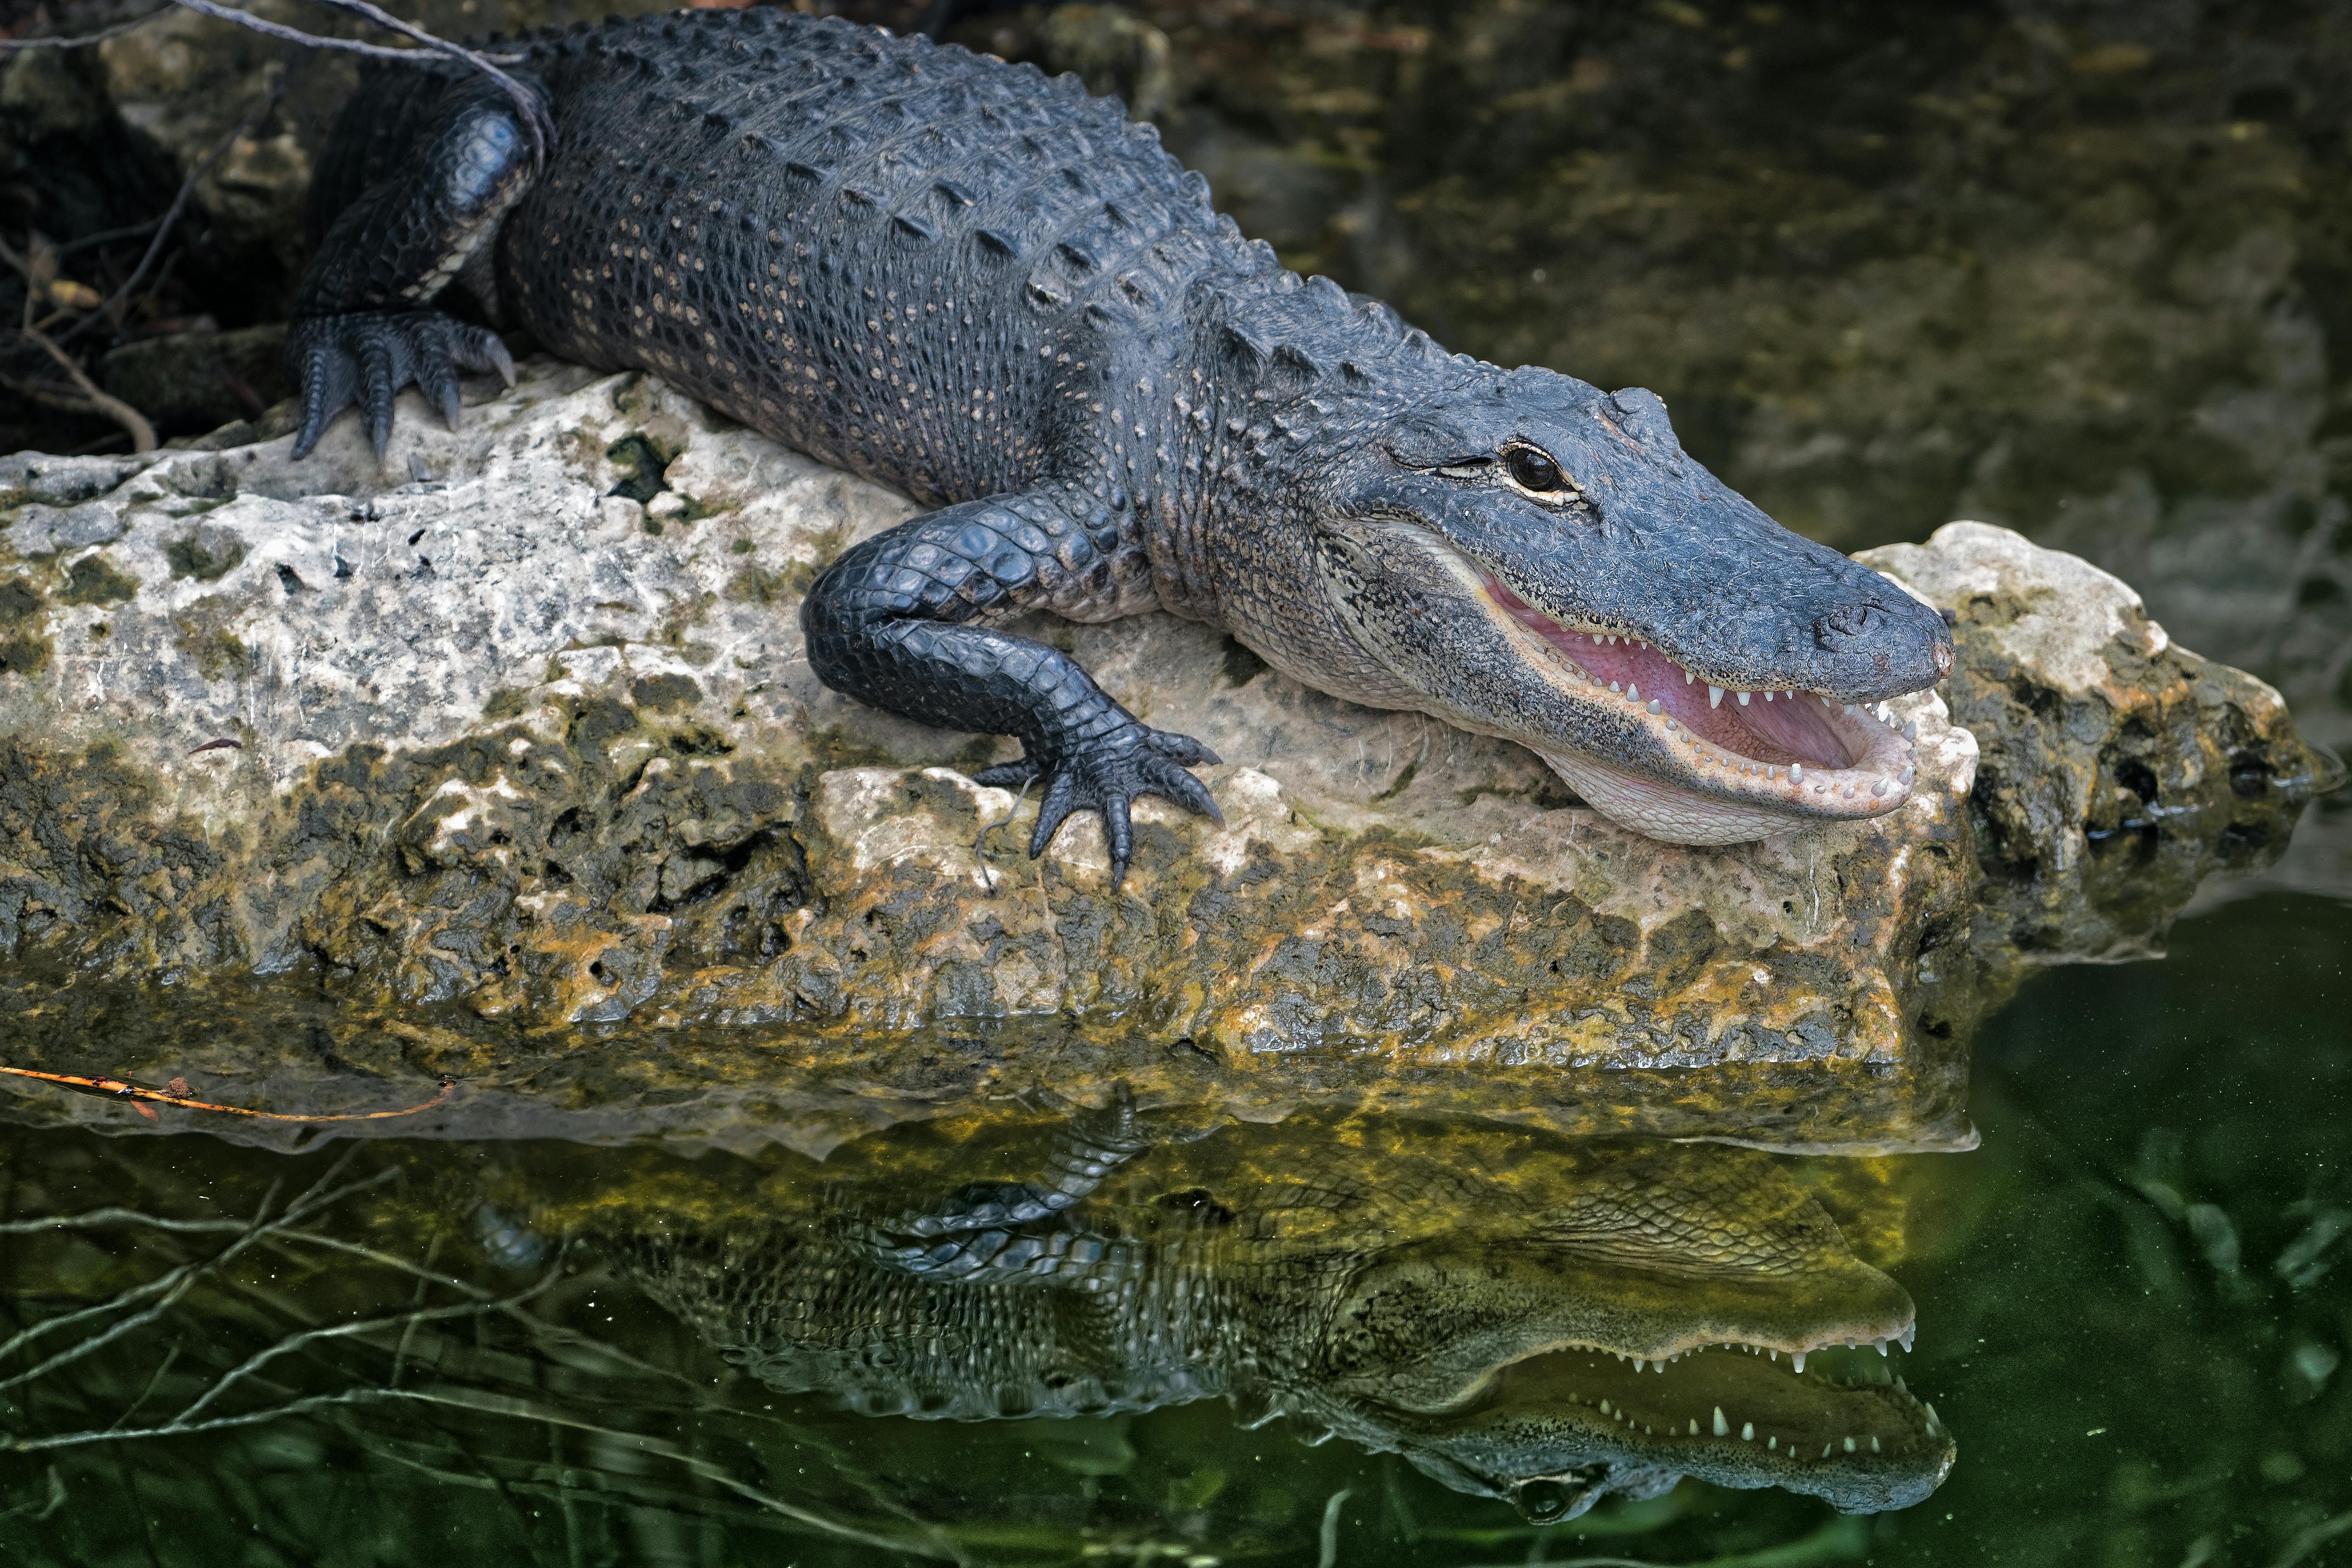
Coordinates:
(516,734)
(2117,768)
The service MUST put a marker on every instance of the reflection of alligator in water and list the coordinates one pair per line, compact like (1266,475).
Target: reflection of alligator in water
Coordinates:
(1519,1317)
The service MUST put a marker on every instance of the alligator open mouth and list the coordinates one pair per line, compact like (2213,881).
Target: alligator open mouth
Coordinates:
(1753,1409)
(1846,1429)
(1750,758)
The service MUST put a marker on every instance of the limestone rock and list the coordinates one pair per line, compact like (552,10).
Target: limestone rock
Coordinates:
(514,735)
(2118,770)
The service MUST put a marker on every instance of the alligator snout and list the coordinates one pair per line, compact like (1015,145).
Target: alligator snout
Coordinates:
(1906,641)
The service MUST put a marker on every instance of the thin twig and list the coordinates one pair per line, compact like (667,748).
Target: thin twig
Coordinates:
(534,113)
(170,1357)
(123,1089)
(345,1330)
(107,236)
(98,1217)
(487,1404)
(174,1285)
(296,35)
(142,435)
(105,311)
(80,41)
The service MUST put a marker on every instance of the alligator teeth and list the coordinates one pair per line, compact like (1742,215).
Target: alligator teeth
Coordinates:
(1879,788)
(1911,731)
(1596,639)
(1853,708)
(1715,696)
(1768,697)
(1743,699)
(1882,1347)
(1639,1364)
(1632,692)
(1688,677)
(1850,1445)
(1797,776)
(1614,686)
(1748,1431)
(1694,1426)
(1722,1427)
(1653,705)
(1798,1357)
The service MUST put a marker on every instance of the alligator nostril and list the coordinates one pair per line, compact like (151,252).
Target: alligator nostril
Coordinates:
(1847,620)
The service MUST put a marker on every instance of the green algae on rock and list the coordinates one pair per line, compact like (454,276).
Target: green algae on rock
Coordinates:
(465,747)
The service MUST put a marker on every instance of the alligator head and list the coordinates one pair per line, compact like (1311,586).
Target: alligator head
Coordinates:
(1525,555)
(1676,1313)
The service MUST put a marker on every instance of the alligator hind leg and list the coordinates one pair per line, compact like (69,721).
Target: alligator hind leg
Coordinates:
(363,328)
(896,623)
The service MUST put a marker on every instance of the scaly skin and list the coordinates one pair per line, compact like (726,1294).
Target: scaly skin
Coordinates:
(1470,1298)
(993,293)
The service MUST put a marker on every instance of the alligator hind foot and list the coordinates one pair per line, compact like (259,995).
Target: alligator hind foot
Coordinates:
(367,356)
(1105,775)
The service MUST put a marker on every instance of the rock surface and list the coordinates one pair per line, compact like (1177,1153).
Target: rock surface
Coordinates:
(514,735)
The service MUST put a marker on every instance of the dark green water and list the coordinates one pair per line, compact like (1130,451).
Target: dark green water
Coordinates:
(2131,1305)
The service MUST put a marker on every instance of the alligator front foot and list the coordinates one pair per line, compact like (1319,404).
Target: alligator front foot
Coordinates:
(1105,775)
(367,356)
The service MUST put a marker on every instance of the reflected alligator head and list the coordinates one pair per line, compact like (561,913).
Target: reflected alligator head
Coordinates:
(1518,1316)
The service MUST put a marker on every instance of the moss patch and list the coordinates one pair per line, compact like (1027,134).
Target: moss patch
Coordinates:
(659,694)
(202,633)
(206,555)
(23,651)
(92,579)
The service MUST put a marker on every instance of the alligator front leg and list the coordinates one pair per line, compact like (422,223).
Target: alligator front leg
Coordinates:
(897,622)
(362,328)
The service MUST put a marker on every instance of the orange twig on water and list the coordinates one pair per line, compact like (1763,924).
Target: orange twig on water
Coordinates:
(177,1094)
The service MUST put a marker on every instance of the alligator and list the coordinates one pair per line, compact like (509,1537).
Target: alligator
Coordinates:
(1521,1317)
(995,294)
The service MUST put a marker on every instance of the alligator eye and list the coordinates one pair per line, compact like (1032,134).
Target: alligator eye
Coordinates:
(1533,470)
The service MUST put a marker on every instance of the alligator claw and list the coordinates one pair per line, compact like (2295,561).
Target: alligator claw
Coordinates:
(1106,778)
(367,356)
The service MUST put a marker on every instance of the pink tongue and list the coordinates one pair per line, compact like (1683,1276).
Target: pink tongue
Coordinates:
(1781,731)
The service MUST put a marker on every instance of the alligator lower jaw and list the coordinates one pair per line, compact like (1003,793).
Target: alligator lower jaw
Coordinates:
(1750,763)
(1724,1401)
